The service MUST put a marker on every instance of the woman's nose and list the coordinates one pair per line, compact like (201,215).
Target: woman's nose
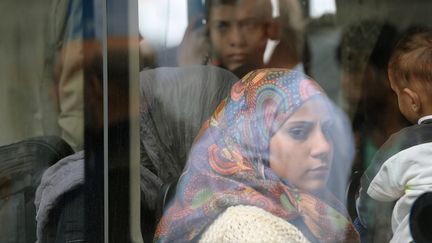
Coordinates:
(321,146)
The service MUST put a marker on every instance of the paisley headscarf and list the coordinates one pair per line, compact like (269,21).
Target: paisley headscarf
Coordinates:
(228,164)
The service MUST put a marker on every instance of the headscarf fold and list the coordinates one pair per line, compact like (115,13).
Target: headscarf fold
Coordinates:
(228,164)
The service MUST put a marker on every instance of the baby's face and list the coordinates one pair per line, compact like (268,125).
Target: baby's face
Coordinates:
(301,151)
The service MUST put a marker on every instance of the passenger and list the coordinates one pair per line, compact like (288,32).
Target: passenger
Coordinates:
(401,170)
(237,32)
(290,51)
(43,95)
(146,54)
(258,169)
(364,51)
(174,104)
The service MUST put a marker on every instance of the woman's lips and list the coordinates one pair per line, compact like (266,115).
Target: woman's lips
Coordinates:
(319,171)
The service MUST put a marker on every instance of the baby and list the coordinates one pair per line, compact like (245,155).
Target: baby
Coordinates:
(402,170)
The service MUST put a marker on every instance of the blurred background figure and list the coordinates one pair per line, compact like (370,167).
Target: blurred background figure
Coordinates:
(241,36)
(175,102)
(146,54)
(291,48)
(238,33)
(41,102)
(234,37)
(41,78)
(364,51)
(231,34)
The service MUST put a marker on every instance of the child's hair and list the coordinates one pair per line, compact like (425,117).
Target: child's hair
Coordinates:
(412,59)
(265,6)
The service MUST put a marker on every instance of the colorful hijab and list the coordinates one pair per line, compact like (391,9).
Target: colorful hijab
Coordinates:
(228,164)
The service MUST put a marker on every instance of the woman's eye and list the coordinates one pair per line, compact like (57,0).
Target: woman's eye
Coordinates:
(299,133)
(326,130)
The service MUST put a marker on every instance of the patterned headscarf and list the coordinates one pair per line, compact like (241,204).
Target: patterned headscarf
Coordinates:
(228,164)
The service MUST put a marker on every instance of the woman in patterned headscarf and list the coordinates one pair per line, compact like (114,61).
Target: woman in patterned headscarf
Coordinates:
(258,169)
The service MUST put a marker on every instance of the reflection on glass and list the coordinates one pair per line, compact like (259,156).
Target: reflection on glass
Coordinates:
(190,61)
(41,112)
(344,45)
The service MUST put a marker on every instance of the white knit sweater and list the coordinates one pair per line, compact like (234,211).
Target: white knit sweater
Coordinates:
(251,224)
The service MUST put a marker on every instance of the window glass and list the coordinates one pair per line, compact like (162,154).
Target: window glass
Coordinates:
(42,120)
(217,118)
(69,164)
(150,120)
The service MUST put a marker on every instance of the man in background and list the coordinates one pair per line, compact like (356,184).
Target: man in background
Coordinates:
(234,37)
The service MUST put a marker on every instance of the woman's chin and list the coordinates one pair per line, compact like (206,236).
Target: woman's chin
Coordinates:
(313,186)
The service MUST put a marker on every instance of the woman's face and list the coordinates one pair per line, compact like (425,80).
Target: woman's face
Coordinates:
(300,151)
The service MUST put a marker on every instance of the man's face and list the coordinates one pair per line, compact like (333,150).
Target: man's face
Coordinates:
(237,35)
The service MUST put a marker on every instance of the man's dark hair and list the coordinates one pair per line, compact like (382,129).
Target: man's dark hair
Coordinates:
(266,9)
